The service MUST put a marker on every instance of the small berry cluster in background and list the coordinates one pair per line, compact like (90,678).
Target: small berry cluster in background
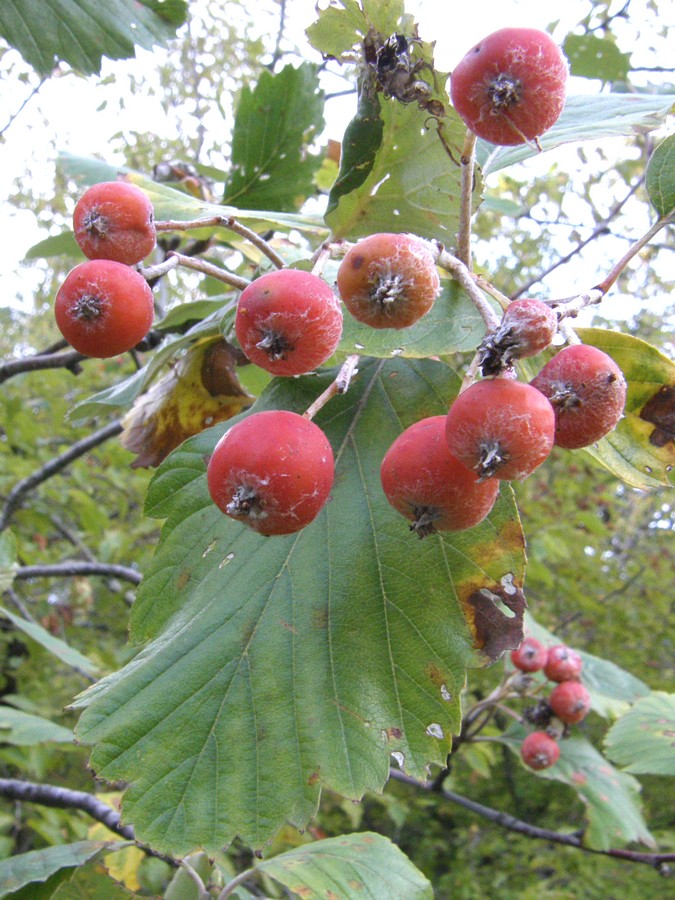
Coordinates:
(567,704)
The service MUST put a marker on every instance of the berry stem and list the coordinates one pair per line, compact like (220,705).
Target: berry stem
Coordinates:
(231,224)
(607,283)
(461,273)
(339,386)
(200,265)
(468,160)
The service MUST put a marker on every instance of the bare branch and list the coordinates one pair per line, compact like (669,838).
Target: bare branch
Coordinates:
(339,386)
(467,160)
(65,798)
(461,273)
(76,568)
(26,485)
(206,268)
(68,360)
(658,861)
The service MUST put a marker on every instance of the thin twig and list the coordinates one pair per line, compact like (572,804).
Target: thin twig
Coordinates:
(23,105)
(77,568)
(200,265)
(658,861)
(468,160)
(339,386)
(65,798)
(607,283)
(54,466)
(68,360)
(202,893)
(236,881)
(231,224)
(461,273)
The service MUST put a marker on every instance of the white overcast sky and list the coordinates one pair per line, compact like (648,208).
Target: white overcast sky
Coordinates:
(82,126)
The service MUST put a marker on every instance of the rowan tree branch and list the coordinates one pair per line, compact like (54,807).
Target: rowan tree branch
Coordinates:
(68,360)
(77,567)
(658,861)
(65,798)
(79,448)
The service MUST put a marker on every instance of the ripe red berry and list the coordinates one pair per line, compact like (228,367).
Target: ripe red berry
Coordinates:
(103,308)
(388,280)
(530,656)
(539,751)
(115,220)
(587,391)
(425,483)
(570,702)
(288,322)
(562,664)
(510,87)
(272,471)
(500,428)
(527,328)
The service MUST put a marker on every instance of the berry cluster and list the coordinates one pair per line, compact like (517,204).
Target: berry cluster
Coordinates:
(569,702)
(510,88)
(104,307)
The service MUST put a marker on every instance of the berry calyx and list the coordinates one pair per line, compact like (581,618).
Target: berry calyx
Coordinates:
(539,751)
(425,483)
(510,87)
(388,280)
(570,702)
(562,664)
(115,220)
(288,322)
(500,429)
(103,308)
(527,327)
(530,656)
(272,471)
(587,391)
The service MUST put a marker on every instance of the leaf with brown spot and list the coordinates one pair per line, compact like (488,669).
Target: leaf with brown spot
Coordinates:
(200,390)
(660,411)
(495,616)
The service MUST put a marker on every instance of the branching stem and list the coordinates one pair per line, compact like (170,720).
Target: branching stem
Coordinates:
(339,386)
(468,163)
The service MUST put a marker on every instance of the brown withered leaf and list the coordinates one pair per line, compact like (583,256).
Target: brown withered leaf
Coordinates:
(200,389)
(659,410)
(495,629)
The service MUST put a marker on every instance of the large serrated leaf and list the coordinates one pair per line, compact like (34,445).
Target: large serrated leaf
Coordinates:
(274,124)
(279,665)
(612,798)
(364,864)
(660,177)
(642,740)
(641,449)
(585,118)
(82,32)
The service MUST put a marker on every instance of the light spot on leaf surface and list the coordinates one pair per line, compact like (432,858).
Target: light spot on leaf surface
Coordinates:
(435,730)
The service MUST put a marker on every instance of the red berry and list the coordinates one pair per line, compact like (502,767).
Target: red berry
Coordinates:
(388,280)
(103,308)
(114,220)
(530,656)
(527,328)
(562,664)
(272,471)
(539,751)
(510,87)
(500,428)
(588,393)
(570,702)
(425,483)
(288,322)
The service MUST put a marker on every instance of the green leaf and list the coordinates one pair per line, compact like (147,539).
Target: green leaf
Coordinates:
(453,324)
(247,699)
(611,797)
(413,184)
(349,866)
(54,645)
(82,32)
(274,124)
(593,57)
(642,741)
(342,26)
(24,729)
(172,204)
(661,177)
(8,560)
(585,118)
(39,865)
(63,244)
(641,449)
(611,688)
